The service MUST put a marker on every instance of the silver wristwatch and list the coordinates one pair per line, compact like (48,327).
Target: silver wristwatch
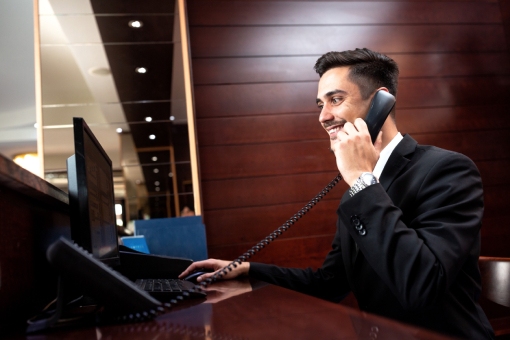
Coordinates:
(364,180)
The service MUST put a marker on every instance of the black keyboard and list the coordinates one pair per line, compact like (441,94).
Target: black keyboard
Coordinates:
(168,288)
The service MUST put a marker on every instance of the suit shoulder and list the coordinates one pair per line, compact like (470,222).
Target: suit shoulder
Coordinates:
(442,155)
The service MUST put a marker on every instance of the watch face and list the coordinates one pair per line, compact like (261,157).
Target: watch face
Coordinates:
(368,178)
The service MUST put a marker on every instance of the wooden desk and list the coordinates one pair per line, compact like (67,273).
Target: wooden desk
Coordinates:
(233,310)
(33,213)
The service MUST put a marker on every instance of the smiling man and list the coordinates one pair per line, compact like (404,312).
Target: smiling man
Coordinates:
(408,230)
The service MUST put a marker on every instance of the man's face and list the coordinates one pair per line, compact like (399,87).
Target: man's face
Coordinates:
(339,100)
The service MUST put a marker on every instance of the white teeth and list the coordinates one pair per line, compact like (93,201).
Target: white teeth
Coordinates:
(333,130)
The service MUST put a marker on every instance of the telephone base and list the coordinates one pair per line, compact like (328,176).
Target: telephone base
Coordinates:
(138,265)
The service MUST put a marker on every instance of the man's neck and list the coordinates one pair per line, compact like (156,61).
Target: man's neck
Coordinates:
(389,131)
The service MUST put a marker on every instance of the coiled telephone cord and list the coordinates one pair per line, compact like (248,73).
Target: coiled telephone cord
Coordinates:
(272,236)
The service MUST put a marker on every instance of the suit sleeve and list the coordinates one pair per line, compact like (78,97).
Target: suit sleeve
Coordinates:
(328,282)
(420,258)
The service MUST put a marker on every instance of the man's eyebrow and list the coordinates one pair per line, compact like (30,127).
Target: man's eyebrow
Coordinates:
(329,94)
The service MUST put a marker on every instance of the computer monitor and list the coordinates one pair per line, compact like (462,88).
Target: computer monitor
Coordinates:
(91,196)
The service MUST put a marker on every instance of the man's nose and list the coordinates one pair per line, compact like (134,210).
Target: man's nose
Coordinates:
(325,115)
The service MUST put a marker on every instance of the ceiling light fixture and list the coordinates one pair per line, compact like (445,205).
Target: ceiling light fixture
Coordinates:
(135,24)
(141,70)
(156,170)
(154,159)
(172,118)
(157,189)
(152,137)
(156,183)
(119,130)
(148,119)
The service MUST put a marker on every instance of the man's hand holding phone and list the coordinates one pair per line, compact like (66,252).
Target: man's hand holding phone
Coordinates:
(354,151)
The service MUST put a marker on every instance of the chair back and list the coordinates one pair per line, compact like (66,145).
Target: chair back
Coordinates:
(495,273)
(495,299)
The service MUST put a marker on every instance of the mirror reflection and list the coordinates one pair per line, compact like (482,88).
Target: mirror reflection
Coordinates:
(119,65)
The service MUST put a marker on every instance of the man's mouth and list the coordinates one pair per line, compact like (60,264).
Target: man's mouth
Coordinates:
(333,129)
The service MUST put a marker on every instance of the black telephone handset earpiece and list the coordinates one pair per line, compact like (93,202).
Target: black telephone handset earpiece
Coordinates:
(380,107)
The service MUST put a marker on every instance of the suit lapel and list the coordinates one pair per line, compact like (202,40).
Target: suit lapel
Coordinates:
(399,158)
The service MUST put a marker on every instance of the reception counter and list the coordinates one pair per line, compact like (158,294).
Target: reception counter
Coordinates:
(243,309)
(33,214)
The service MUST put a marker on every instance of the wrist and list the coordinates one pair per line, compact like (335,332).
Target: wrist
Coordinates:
(243,268)
(366,179)
(246,269)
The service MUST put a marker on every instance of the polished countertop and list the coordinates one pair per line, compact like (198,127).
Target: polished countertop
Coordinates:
(244,309)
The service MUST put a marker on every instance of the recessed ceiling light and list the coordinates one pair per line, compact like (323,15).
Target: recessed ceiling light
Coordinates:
(154,159)
(148,119)
(170,174)
(172,117)
(119,130)
(35,125)
(157,189)
(156,183)
(141,70)
(156,170)
(135,24)
(152,137)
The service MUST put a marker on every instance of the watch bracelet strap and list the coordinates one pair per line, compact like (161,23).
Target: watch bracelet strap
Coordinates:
(358,186)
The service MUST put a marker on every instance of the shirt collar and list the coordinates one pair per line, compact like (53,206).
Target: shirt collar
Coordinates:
(385,155)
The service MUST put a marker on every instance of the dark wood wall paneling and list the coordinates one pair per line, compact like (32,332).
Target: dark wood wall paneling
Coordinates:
(263,154)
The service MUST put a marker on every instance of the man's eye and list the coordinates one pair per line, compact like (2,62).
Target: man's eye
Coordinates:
(320,106)
(335,100)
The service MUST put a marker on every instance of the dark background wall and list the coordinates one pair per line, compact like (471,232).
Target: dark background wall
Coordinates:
(263,154)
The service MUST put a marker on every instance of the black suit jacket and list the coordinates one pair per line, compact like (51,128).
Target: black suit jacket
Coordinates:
(408,246)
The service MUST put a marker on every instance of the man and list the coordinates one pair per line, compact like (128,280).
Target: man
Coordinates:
(408,230)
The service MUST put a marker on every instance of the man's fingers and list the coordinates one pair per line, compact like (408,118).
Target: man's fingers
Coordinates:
(208,264)
(205,276)
(187,271)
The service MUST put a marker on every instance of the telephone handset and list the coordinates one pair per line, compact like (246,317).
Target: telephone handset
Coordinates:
(380,107)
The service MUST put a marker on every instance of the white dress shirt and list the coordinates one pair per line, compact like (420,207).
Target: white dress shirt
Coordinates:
(385,155)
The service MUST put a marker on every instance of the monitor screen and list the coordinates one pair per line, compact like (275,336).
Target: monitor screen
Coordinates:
(91,196)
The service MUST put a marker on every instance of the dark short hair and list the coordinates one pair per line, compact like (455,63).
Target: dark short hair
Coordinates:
(368,69)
